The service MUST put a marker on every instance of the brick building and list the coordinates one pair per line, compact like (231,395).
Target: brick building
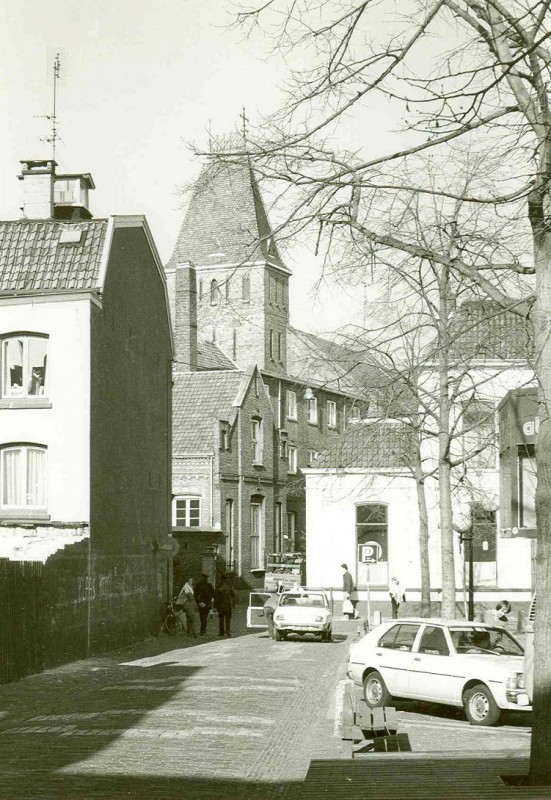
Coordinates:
(226,275)
(85,414)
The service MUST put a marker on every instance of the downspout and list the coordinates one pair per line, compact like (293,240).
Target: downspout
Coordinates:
(212,490)
(239,491)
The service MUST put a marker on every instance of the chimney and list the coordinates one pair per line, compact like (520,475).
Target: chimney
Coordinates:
(185,316)
(38,188)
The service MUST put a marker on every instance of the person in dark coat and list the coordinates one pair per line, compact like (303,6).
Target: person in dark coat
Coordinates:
(348,588)
(204,592)
(224,602)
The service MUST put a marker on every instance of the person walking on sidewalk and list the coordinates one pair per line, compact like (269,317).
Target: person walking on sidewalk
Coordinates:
(204,592)
(397,595)
(349,607)
(224,602)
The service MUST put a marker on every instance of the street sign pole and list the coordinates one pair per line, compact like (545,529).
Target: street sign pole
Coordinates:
(368,598)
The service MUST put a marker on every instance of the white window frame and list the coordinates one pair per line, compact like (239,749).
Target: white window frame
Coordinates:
(23,492)
(331,414)
(189,519)
(257,440)
(313,456)
(313,411)
(291,404)
(256,537)
(8,391)
(293,460)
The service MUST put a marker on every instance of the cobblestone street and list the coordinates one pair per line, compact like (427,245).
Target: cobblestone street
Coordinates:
(237,717)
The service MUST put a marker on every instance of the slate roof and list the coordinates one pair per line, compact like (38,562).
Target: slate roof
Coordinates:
(210,357)
(32,257)
(199,400)
(377,445)
(332,365)
(483,330)
(226,216)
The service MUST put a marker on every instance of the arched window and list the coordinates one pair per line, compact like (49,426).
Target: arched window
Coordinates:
(24,359)
(23,477)
(214,292)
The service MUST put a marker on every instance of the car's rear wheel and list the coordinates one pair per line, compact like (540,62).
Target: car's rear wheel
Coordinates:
(375,692)
(480,706)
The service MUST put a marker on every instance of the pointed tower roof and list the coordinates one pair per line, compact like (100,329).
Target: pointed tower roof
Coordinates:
(226,221)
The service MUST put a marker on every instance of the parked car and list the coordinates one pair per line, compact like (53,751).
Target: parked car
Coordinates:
(457,663)
(303,611)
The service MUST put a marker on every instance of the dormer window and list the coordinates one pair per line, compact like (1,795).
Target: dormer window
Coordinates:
(24,359)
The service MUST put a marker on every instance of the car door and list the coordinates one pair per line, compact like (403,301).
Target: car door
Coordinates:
(393,655)
(433,672)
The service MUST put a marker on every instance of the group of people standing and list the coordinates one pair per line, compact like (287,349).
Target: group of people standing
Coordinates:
(196,602)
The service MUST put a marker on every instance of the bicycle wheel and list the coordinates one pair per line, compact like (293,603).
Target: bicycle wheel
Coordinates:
(172,624)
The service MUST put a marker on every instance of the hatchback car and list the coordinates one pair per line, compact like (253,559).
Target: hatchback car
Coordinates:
(457,663)
(303,611)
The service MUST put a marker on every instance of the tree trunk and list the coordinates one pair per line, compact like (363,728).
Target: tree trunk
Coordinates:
(540,756)
(423,547)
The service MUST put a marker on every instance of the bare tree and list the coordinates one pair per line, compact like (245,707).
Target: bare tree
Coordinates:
(456,69)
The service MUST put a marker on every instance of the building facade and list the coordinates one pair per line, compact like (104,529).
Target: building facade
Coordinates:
(85,414)
(227,276)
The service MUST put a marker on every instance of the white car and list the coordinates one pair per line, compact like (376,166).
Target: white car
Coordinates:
(303,611)
(454,662)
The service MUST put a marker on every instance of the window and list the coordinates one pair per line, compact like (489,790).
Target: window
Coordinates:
(277,527)
(312,457)
(224,437)
(372,529)
(246,288)
(256,533)
(291,530)
(229,535)
(214,292)
(283,448)
(187,512)
(313,411)
(399,637)
(433,642)
(24,366)
(291,405)
(479,435)
(331,414)
(273,290)
(271,345)
(23,477)
(256,438)
(280,347)
(527,481)
(292,459)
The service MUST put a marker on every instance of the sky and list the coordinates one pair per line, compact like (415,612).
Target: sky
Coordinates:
(139,81)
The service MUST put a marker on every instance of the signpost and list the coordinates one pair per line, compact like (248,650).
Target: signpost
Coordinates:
(369,553)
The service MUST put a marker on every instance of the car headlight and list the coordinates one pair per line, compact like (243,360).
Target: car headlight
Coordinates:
(515,680)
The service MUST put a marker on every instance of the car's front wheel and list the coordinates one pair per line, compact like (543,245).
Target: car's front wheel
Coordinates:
(278,635)
(375,692)
(480,706)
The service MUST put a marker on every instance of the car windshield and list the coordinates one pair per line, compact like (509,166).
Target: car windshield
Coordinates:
(476,640)
(304,600)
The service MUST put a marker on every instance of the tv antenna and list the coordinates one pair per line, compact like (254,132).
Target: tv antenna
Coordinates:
(53,137)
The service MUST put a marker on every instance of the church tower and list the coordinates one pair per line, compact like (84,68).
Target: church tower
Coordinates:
(242,282)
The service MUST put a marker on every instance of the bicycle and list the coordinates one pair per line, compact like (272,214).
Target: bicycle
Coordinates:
(172,623)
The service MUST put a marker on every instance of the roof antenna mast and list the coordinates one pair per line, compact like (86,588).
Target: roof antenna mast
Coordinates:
(53,136)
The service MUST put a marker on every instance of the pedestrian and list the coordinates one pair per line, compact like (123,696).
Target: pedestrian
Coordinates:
(269,609)
(397,595)
(348,604)
(224,602)
(204,592)
(503,609)
(186,599)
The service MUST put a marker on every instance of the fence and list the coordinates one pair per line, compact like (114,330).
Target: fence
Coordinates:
(21,619)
